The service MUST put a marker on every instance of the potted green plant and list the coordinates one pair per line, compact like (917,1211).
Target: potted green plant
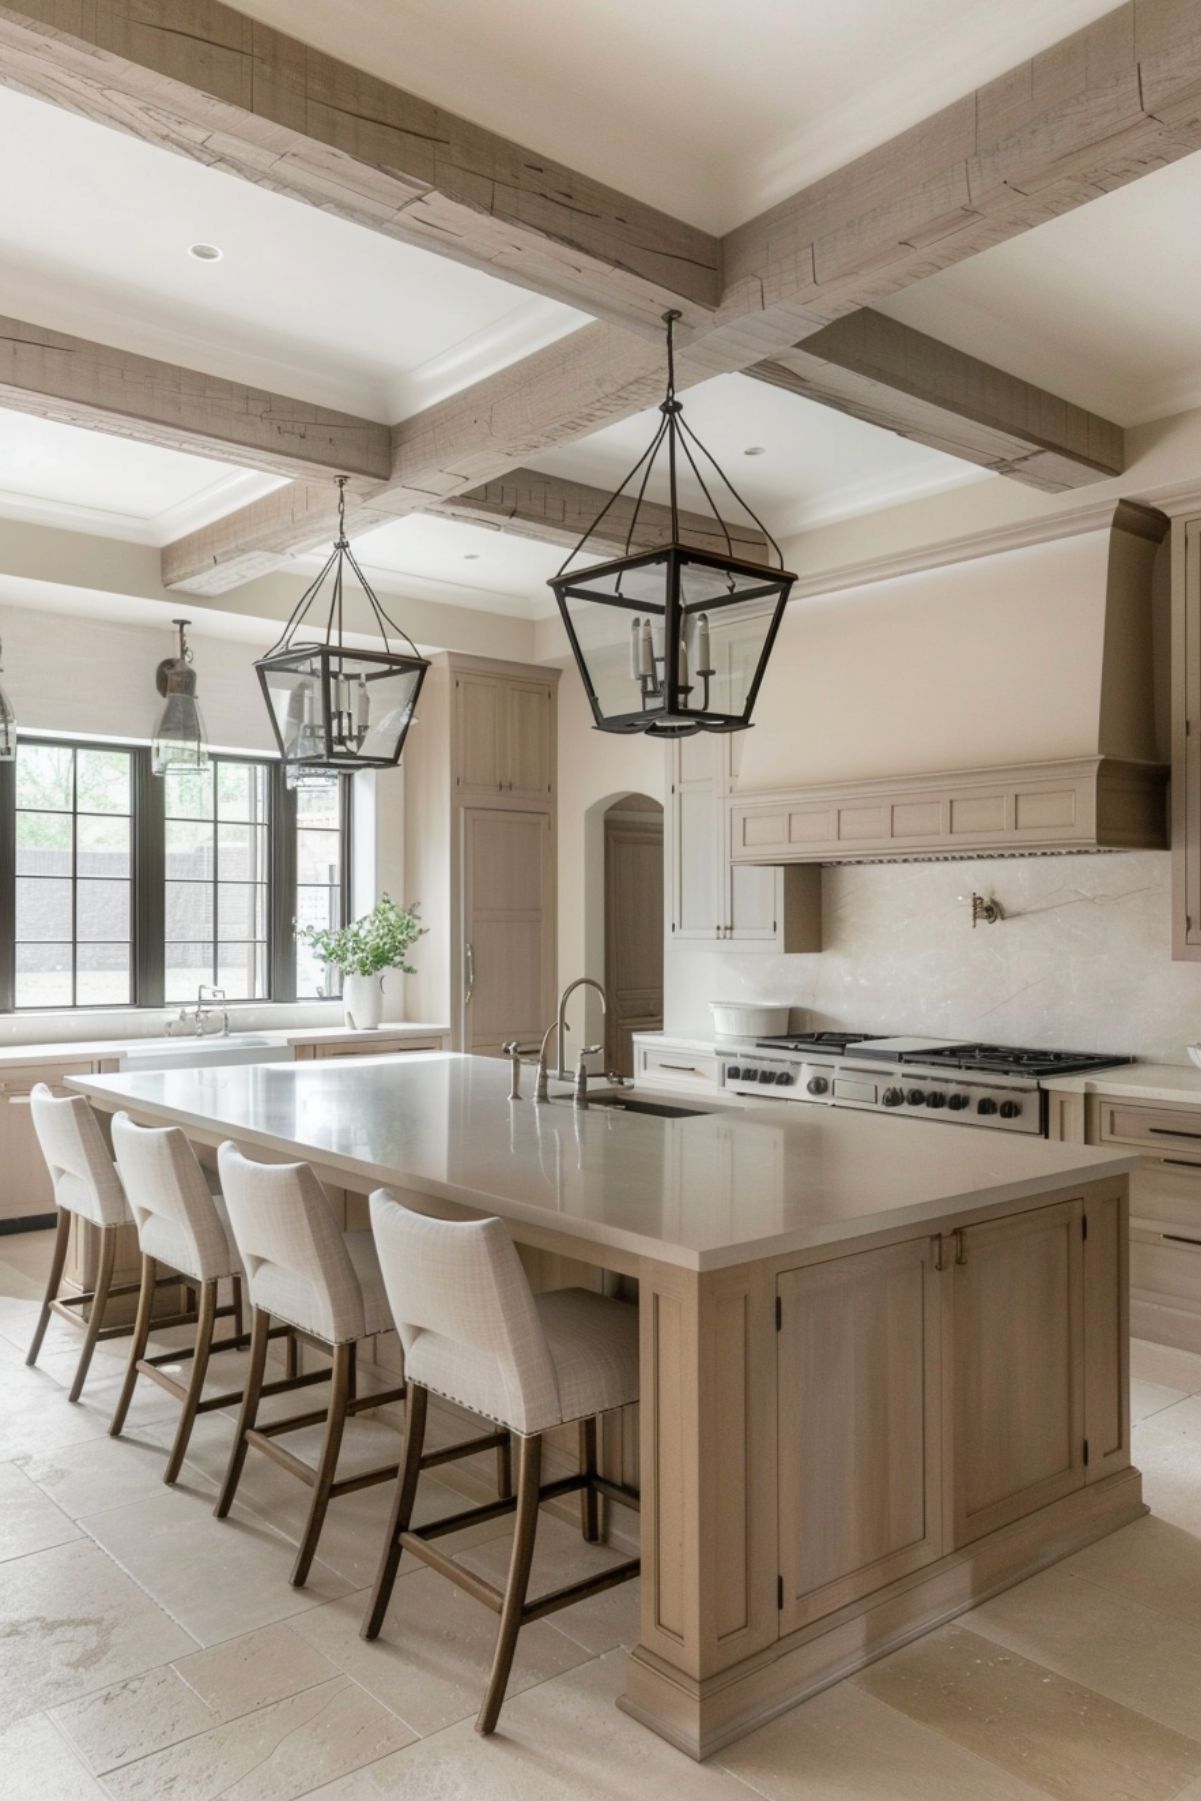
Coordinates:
(364,951)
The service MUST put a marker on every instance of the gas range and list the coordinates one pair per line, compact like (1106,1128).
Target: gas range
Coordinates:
(958,1083)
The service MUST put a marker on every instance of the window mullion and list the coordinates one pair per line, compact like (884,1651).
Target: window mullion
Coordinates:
(281,889)
(8,886)
(149,912)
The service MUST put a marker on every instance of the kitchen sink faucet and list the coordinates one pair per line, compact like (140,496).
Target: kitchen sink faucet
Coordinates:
(558,1026)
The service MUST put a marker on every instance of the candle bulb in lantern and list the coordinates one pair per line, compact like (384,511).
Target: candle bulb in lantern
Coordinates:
(363,716)
(682,665)
(704,666)
(635,649)
(646,650)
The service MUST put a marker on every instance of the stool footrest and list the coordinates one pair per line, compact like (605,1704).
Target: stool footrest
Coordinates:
(490,1441)
(495,1510)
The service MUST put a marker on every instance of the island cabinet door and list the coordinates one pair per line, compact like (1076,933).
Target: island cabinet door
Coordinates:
(860,1453)
(1016,1367)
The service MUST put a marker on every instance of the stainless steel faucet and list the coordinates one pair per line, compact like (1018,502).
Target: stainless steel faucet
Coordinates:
(580,1094)
(196,1018)
(562,1072)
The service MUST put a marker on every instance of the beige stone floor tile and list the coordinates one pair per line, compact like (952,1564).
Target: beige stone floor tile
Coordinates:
(1096,1637)
(844,1745)
(1151,1562)
(561,1555)
(1171,1465)
(29,1520)
(1055,1734)
(37,1764)
(19,1282)
(218,1578)
(1150,1398)
(1164,1363)
(131,1719)
(37,1416)
(28,1250)
(277,1753)
(109,1472)
(72,1621)
(19,1316)
(354,1528)
(1182,1416)
(563,1741)
(430,1664)
(253,1671)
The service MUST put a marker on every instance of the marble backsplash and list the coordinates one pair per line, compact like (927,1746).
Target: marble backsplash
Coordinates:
(1081,960)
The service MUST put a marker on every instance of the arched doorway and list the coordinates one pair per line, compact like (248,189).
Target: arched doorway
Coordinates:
(633,924)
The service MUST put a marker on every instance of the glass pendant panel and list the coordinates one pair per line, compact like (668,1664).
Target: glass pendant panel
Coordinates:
(180,740)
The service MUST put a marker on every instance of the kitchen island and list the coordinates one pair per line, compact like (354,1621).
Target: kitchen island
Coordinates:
(883,1364)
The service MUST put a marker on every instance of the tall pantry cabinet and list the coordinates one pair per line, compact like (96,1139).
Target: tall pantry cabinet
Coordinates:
(480,850)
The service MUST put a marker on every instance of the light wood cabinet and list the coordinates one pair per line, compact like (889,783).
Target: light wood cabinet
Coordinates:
(1186,739)
(383,1046)
(1017,1366)
(714,900)
(858,1397)
(480,850)
(1165,1210)
(503,737)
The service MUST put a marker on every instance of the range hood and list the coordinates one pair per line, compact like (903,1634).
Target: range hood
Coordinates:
(1013,704)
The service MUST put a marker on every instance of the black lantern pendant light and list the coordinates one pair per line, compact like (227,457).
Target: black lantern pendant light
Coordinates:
(334,708)
(674,640)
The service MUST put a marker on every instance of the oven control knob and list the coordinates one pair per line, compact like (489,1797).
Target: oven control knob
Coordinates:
(783,1077)
(817,1084)
(986,1106)
(957,1102)
(892,1097)
(1010,1109)
(765,1075)
(733,1073)
(936,1099)
(914,1096)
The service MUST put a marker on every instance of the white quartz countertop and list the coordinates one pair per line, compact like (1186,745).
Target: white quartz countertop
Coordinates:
(701,1192)
(1136,1082)
(70,1050)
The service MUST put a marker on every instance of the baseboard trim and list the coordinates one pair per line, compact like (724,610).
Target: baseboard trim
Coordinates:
(28,1222)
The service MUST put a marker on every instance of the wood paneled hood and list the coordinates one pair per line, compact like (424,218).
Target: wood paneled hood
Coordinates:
(1014,704)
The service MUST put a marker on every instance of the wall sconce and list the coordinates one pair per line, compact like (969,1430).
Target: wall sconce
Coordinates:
(987,910)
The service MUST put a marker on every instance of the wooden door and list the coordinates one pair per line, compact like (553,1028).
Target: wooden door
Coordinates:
(508,928)
(480,733)
(1017,1366)
(860,1426)
(633,933)
(530,740)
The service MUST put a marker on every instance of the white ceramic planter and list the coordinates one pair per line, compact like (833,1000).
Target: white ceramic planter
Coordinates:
(362,1001)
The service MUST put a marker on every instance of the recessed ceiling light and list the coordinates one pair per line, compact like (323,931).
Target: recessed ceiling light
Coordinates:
(471,556)
(205,253)
(755,450)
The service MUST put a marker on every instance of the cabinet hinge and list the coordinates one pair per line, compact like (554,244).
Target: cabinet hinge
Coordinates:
(1086,1453)
(779,1314)
(779,1594)
(1084,1225)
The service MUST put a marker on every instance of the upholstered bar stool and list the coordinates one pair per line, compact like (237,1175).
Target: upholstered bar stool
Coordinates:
(473,1331)
(87,1187)
(181,1223)
(305,1270)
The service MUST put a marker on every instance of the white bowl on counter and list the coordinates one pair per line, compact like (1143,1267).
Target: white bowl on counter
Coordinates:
(1194,1051)
(748,1019)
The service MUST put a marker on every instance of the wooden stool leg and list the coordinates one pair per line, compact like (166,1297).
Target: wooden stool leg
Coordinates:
(504,1470)
(402,1512)
(335,1420)
(292,1357)
(259,1326)
(137,1348)
(57,1261)
(352,1375)
(104,1276)
(235,1284)
(200,1363)
(529,1477)
(589,1511)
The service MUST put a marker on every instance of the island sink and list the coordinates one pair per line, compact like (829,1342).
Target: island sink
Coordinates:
(621,1103)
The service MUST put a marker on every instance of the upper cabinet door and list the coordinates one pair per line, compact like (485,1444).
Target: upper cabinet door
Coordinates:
(480,733)
(1017,1366)
(530,739)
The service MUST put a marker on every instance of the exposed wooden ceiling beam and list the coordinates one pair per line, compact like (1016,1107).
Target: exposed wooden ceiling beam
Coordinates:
(877,369)
(206,82)
(80,383)
(528,504)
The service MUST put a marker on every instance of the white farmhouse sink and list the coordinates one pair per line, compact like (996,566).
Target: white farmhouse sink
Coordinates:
(194,1053)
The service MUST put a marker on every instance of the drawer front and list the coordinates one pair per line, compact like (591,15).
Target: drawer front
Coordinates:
(1161,1130)
(678,1069)
(1166,1271)
(395,1048)
(1167,1196)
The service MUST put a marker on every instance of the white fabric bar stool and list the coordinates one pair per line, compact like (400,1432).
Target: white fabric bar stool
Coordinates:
(473,1331)
(86,1186)
(181,1223)
(305,1270)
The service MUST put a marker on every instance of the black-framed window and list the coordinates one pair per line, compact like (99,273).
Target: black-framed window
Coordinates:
(118,888)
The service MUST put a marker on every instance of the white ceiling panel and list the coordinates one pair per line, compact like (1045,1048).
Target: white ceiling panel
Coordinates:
(816,464)
(463,565)
(300,301)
